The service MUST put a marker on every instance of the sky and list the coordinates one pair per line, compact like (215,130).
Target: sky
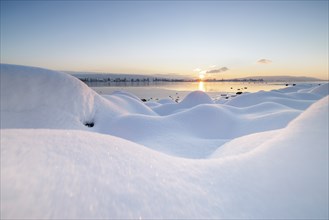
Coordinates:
(216,39)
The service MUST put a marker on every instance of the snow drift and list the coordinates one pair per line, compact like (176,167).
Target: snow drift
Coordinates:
(259,155)
(38,98)
(46,93)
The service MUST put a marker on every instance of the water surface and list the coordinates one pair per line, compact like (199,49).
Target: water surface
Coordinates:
(178,90)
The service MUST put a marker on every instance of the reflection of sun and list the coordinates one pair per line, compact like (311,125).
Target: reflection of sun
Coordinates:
(201,76)
(201,86)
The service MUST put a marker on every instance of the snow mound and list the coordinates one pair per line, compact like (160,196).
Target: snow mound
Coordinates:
(200,130)
(196,125)
(77,174)
(286,99)
(192,99)
(125,93)
(196,98)
(296,88)
(166,101)
(152,104)
(322,90)
(130,104)
(257,156)
(39,98)
(44,92)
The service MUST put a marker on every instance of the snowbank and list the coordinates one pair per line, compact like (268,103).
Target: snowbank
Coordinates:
(43,96)
(38,98)
(75,174)
(322,90)
(193,99)
(259,155)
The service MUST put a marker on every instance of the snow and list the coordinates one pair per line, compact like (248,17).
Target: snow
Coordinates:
(259,155)
(322,90)
(193,99)
(17,87)
(38,98)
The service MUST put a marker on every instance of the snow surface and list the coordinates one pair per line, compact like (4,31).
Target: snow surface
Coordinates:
(259,155)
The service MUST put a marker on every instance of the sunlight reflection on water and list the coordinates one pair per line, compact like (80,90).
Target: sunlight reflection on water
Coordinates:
(201,86)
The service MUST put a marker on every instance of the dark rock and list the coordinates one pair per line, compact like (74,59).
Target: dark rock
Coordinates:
(89,124)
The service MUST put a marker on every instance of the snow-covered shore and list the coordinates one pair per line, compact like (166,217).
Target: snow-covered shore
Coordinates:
(259,155)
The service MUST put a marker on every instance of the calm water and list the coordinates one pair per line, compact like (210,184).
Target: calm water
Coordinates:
(192,86)
(160,90)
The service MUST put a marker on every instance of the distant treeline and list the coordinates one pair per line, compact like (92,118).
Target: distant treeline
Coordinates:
(90,79)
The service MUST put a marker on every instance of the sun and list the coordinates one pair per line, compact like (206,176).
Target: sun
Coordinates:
(201,76)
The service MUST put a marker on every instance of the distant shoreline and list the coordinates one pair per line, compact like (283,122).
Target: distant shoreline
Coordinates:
(172,80)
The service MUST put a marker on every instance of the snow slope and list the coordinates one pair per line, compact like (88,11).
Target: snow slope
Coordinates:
(259,155)
(77,174)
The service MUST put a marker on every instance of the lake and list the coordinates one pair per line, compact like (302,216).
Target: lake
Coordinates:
(159,90)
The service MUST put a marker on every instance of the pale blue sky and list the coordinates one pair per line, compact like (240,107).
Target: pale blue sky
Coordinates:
(168,36)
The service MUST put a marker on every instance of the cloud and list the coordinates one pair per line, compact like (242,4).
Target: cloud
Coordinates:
(264,61)
(197,70)
(223,69)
